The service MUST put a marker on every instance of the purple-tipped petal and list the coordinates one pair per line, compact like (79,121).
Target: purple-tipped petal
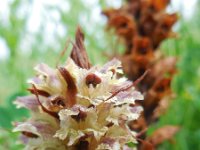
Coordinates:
(28,102)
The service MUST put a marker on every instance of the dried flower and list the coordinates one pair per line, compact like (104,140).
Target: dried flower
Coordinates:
(77,106)
(143,25)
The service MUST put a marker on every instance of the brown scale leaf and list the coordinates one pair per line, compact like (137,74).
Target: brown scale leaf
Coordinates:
(162,134)
(78,53)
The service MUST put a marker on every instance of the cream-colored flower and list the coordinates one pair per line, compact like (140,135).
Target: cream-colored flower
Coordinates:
(73,107)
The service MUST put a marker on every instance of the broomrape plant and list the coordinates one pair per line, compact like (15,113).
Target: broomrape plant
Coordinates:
(79,106)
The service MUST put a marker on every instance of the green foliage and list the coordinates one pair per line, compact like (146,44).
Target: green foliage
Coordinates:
(131,145)
(8,140)
(10,113)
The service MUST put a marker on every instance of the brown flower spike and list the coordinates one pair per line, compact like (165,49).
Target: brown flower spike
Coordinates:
(143,25)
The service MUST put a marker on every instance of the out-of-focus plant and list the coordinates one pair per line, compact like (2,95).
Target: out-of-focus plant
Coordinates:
(142,25)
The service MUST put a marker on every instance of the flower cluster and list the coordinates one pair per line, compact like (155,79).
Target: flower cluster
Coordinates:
(143,25)
(77,106)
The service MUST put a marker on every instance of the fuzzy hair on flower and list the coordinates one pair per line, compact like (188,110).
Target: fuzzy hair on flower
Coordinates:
(79,106)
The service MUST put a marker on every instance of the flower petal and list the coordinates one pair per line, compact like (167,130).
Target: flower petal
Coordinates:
(28,102)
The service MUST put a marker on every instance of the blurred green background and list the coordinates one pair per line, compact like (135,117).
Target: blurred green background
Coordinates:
(33,31)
